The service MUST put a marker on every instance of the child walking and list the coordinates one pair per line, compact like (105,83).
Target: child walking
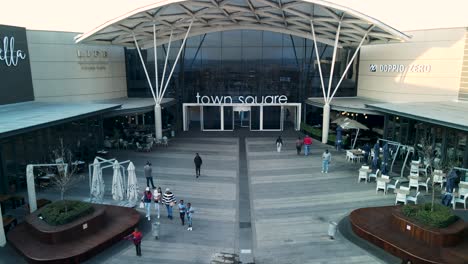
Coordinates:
(182,209)
(190,212)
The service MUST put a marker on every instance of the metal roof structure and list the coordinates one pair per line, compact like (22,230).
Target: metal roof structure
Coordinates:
(295,17)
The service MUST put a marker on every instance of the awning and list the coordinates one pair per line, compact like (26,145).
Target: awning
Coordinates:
(347,104)
(28,116)
(452,114)
(287,17)
(130,106)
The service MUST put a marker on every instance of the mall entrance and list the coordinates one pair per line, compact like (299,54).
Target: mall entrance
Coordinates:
(232,116)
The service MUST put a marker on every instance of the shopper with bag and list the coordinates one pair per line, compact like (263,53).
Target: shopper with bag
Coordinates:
(146,199)
(169,200)
(326,159)
(157,199)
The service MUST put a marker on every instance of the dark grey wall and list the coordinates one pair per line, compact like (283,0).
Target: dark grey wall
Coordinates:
(15,81)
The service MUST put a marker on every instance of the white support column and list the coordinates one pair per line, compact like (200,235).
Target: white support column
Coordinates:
(184,117)
(155,60)
(325,122)
(31,188)
(2,231)
(160,95)
(222,117)
(298,117)
(174,64)
(136,120)
(335,47)
(143,119)
(158,121)
(261,117)
(349,65)
(318,59)
(144,67)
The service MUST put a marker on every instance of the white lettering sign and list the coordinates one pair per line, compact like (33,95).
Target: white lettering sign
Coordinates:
(416,68)
(269,99)
(9,54)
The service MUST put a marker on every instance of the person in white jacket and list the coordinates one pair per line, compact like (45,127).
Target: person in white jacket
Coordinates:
(326,158)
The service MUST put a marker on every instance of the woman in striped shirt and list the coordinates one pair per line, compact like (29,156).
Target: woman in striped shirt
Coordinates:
(169,200)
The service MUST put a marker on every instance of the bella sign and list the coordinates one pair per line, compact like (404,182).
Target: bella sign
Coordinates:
(269,99)
(9,54)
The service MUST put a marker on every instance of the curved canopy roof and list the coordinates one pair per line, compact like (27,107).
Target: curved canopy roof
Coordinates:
(283,16)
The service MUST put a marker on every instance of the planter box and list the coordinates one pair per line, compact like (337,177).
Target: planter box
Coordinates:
(433,237)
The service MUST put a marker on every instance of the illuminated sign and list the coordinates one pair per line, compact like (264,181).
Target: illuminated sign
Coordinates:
(265,99)
(8,54)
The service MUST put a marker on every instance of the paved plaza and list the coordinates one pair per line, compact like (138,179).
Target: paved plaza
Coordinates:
(290,203)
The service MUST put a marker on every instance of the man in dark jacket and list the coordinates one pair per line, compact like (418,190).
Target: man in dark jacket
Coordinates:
(198,162)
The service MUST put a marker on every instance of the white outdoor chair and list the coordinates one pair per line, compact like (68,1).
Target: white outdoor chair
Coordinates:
(392,186)
(165,141)
(401,197)
(424,170)
(439,178)
(461,198)
(381,185)
(350,156)
(362,176)
(424,184)
(374,175)
(414,168)
(125,145)
(365,167)
(139,147)
(413,199)
(413,182)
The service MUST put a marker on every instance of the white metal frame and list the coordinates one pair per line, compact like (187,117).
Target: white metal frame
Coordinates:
(186,120)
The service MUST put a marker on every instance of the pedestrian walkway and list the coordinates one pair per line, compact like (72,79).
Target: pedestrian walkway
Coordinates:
(291,203)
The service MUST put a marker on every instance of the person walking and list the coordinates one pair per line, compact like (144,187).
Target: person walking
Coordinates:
(279,144)
(169,200)
(136,237)
(148,171)
(157,199)
(182,209)
(190,212)
(326,158)
(198,162)
(298,145)
(146,199)
(307,143)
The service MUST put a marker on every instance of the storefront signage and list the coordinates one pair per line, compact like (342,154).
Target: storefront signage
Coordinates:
(8,54)
(417,68)
(265,99)
(92,59)
(91,53)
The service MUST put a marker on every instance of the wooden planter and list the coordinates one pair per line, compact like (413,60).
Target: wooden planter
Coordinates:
(433,237)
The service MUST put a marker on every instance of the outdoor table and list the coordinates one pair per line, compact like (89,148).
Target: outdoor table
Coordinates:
(356,152)
(365,170)
(384,180)
(406,192)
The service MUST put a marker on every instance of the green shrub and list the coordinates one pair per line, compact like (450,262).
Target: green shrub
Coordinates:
(441,216)
(64,212)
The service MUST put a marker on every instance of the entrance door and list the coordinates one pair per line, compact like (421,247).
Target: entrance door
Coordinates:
(241,116)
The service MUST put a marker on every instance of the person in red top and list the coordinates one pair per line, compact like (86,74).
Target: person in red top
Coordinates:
(307,143)
(136,237)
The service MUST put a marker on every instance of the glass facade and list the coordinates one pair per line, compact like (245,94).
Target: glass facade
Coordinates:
(82,137)
(241,62)
(449,144)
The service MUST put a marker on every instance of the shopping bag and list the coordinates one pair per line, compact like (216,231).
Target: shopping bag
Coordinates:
(142,205)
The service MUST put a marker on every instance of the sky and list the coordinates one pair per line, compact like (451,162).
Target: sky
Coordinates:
(84,15)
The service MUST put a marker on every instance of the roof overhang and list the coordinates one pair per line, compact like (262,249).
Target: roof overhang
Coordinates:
(449,113)
(292,17)
(29,116)
(132,106)
(346,104)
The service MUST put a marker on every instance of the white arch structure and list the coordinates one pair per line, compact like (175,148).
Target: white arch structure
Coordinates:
(171,20)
